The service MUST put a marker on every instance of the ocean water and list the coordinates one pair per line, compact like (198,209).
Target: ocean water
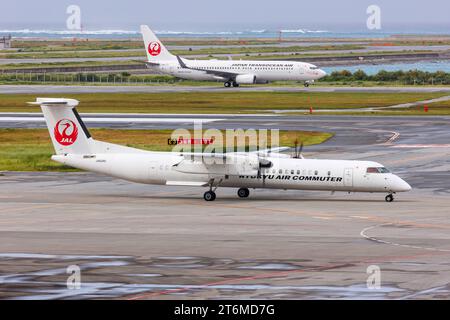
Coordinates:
(261,33)
(429,66)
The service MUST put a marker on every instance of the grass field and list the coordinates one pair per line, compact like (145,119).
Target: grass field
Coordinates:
(31,149)
(109,44)
(67,45)
(217,102)
(202,51)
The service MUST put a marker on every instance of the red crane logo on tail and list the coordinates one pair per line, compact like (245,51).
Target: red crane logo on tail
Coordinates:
(154,48)
(66,132)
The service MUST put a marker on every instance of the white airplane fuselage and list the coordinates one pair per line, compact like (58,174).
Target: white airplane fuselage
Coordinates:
(249,71)
(231,72)
(75,147)
(166,168)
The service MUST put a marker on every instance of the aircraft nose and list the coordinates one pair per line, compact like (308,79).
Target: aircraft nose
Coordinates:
(322,73)
(400,185)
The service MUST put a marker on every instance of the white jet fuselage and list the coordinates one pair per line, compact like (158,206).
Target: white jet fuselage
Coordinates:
(248,71)
(231,72)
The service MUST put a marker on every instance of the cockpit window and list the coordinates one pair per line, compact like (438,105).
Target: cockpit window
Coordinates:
(314,68)
(377,170)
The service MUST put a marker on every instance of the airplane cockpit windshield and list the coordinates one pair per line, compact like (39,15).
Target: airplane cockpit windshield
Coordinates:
(377,170)
(314,68)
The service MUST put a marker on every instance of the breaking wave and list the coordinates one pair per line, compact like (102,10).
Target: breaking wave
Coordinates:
(32,32)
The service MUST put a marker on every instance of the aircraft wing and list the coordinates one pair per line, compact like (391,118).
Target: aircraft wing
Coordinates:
(222,74)
(269,151)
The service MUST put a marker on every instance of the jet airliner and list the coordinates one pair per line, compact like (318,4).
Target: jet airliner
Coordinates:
(75,147)
(231,72)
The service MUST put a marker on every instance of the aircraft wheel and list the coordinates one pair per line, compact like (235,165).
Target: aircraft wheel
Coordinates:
(235,84)
(209,196)
(243,193)
(389,198)
(227,84)
(306,84)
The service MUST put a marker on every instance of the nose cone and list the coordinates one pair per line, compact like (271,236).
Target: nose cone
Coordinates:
(400,185)
(321,74)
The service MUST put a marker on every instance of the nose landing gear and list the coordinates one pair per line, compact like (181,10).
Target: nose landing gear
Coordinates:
(389,198)
(211,194)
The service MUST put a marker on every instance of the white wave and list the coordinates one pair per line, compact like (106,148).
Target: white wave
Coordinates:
(164,32)
(303,31)
(317,31)
(31,32)
(293,31)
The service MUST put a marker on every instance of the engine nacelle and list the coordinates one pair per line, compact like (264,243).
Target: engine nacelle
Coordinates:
(246,79)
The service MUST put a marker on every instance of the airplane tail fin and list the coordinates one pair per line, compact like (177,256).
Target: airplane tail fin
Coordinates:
(154,48)
(67,131)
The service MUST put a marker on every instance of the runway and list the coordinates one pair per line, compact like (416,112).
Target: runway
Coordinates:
(54,89)
(147,242)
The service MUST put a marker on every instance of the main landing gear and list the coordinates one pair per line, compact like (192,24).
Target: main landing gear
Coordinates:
(243,193)
(308,82)
(228,84)
(209,196)
(389,198)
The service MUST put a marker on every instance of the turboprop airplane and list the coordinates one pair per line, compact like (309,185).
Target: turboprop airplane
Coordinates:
(75,147)
(232,73)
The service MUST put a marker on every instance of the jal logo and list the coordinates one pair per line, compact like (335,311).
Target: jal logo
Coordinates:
(66,132)
(154,48)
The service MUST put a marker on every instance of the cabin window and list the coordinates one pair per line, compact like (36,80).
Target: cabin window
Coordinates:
(329,173)
(292,171)
(316,173)
(280,171)
(298,171)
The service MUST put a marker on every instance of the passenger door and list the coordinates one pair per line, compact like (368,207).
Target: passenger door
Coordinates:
(348,177)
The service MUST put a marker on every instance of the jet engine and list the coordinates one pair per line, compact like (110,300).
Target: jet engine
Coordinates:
(245,79)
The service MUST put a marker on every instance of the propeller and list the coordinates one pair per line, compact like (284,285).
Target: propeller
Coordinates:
(298,150)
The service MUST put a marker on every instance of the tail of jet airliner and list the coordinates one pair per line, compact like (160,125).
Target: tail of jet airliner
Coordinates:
(156,52)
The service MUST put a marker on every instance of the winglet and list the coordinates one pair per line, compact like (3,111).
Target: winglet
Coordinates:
(182,64)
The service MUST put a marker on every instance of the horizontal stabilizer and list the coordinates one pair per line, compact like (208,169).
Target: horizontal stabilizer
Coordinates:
(55,102)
